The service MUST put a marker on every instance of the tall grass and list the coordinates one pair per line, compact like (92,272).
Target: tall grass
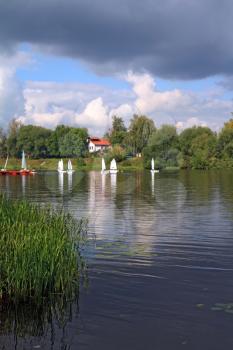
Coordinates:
(39,251)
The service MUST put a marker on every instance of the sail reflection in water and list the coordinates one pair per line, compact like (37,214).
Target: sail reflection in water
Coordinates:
(61,183)
(152,183)
(113,178)
(70,181)
(23,179)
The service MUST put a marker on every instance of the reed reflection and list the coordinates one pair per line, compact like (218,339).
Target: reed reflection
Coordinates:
(36,324)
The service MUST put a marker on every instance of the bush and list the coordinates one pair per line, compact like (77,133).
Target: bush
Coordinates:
(116,152)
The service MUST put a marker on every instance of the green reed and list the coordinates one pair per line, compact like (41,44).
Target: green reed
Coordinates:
(40,251)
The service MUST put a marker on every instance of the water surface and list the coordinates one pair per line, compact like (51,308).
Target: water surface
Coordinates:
(160,257)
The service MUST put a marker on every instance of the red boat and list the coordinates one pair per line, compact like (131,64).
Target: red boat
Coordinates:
(17,172)
(24,171)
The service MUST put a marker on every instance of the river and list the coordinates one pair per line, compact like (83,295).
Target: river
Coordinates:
(160,261)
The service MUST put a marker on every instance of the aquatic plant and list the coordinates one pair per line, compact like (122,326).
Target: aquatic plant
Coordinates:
(40,251)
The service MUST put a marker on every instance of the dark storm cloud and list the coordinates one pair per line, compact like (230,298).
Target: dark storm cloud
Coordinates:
(184,39)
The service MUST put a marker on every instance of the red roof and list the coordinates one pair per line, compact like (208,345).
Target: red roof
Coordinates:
(100,142)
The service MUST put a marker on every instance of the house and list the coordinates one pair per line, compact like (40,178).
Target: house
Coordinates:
(95,144)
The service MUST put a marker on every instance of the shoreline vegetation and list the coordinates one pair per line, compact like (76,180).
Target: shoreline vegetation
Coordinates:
(133,147)
(40,252)
(84,164)
(94,164)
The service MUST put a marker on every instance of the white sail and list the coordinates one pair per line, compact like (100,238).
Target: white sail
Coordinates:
(113,165)
(152,164)
(103,165)
(24,164)
(6,163)
(69,167)
(60,166)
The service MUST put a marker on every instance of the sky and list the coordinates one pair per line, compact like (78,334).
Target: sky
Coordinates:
(81,62)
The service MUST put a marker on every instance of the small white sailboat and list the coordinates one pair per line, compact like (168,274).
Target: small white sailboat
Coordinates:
(5,165)
(70,167)
(103,166)
(113,167)
(60,167)
(153,167)
(23,164)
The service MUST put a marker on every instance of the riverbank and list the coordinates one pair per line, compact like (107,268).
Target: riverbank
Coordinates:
(88,164)
(85,164)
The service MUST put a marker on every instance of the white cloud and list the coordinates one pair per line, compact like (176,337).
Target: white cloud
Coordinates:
(11,95)
(189,123)
(91,105)
(183,108)
(149,99)
(95,116)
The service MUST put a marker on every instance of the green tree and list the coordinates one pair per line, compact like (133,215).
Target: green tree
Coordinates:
(3,145)
(198,147)
(163,147)
(203,150)
(118,132)
(56,138)
(33,140)
(13,130)
(225,140)
(73,143)
(140,129)
(116,152)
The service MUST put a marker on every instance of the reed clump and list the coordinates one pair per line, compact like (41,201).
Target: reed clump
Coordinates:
(40,251)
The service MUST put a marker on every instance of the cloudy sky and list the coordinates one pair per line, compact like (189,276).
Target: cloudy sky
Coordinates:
(79,62)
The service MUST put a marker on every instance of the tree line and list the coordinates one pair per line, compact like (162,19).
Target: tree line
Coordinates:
(39,142)
(194,148)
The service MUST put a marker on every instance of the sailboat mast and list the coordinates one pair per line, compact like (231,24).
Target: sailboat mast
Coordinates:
(6,162)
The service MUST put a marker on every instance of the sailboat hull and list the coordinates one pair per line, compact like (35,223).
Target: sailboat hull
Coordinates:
(113,171)
(17,172)
(154,171)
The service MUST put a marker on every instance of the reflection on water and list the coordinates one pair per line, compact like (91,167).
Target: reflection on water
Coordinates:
(70,181)
(160,255)
(152,183)
(36,325)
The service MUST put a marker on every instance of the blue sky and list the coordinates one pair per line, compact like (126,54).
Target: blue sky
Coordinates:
(59,69)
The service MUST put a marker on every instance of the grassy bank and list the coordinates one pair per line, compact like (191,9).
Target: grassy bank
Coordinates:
(78,164)
(39,253)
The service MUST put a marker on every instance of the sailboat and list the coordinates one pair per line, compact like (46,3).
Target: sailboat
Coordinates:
(23,171)
(103,170)
(153,167)
(113,167)
(70,167)
(23,163)
(3,170)
(60,167)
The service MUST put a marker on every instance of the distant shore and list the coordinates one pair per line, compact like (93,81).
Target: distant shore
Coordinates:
(85,164)
(94,163)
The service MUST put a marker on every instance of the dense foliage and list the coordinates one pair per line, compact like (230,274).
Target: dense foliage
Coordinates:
(194,148)
(39,142)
